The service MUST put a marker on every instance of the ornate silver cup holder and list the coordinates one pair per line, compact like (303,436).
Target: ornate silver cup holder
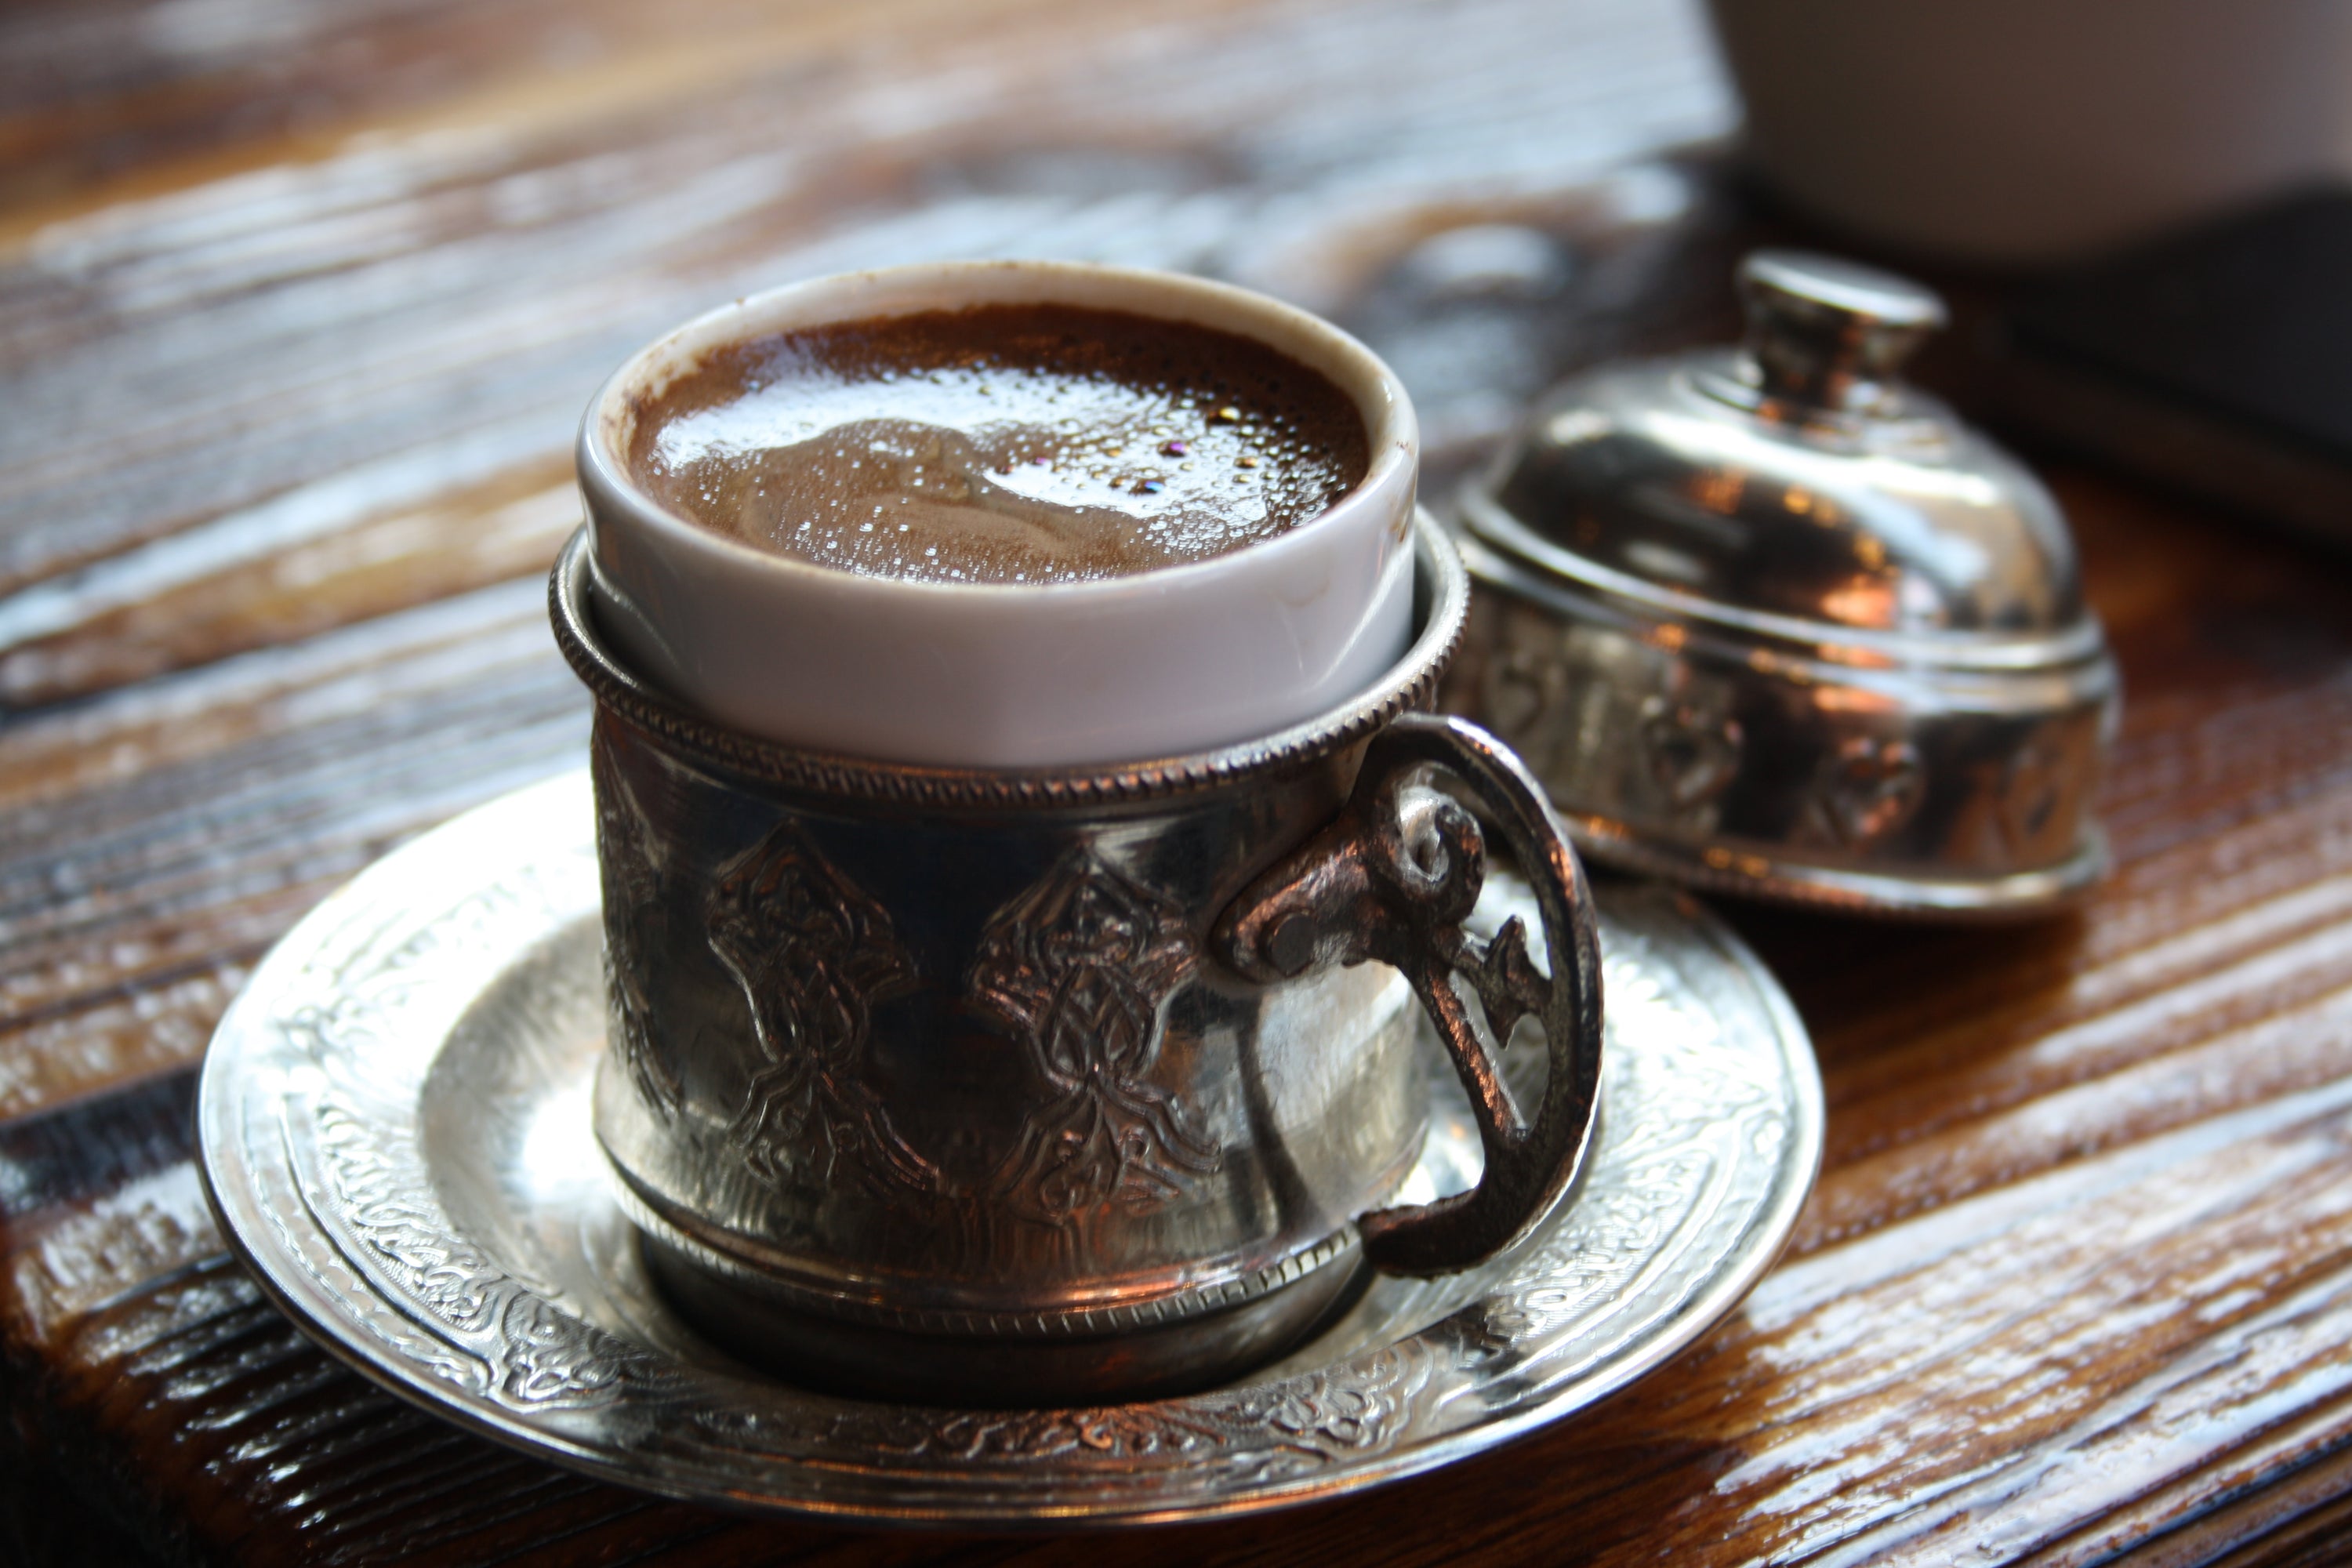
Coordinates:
(394,1126)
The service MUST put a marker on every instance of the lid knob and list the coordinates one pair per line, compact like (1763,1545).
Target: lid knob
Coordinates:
(1830,334)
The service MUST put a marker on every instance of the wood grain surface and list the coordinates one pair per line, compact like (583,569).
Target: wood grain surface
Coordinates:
(299,306)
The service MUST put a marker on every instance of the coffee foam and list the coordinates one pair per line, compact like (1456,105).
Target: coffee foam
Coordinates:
(999,444)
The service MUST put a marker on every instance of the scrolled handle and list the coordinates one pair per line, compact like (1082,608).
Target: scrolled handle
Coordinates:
(1391,879)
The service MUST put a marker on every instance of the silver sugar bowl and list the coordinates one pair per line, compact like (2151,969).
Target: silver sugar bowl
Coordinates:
(1770,621)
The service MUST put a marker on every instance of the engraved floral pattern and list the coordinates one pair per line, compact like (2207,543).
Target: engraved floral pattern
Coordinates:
(1864,792)
(518,1348)
(1526,682)
(632,879)
(1080,966)
(813,953)
(436,1297)
(1693,747)
(2032,789)
(1271,1432)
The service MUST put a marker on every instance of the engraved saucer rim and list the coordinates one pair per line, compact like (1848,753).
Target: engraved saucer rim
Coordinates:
(960,1497)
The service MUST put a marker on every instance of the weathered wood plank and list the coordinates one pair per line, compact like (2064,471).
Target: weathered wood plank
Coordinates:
(155,842)
(427,308)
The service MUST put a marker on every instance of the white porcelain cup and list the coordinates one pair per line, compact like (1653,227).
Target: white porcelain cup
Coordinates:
(1151,665)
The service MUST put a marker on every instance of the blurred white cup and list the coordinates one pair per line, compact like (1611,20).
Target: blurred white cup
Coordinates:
(2034,130)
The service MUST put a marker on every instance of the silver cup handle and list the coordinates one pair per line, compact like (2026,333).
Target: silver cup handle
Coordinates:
(1391,879)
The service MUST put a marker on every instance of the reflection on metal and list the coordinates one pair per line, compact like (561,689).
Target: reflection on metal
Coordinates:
(1772,621)
(1393,882)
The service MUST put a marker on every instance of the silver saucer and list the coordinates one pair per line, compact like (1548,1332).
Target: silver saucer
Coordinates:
(394,1127)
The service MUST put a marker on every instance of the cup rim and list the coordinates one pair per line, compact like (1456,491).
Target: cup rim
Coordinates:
(1441,613)
(1391,428)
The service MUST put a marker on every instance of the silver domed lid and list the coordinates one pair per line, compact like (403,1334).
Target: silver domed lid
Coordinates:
(1796,478)
(1766,619)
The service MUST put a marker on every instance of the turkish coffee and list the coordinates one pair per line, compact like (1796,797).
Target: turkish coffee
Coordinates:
(999,444)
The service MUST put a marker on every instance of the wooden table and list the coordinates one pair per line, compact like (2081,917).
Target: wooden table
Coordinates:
(298,304)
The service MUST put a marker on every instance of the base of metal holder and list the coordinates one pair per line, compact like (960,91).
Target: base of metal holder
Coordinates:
(736,1307)
(1751,871)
